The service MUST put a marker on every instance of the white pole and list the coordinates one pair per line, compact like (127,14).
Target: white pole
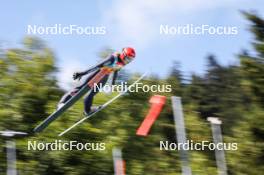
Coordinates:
(11,157)
(181,134)
(217,137)
(11,150)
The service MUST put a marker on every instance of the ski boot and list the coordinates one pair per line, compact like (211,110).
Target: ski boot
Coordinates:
(66,97)
(92,110)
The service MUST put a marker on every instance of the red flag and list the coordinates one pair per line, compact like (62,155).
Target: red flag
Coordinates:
(157,102)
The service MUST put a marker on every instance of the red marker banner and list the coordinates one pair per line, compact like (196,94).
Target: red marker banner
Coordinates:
(120,167)
(157,102)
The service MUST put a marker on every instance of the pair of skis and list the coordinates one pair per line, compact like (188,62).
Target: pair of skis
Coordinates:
(88,88)
(103,106)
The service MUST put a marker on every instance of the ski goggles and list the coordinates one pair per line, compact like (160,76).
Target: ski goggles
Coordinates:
(127,59)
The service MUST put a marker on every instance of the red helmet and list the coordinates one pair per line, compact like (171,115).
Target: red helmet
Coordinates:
(129,52)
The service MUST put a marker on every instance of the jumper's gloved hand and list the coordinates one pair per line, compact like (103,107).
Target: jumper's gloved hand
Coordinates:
(77,75)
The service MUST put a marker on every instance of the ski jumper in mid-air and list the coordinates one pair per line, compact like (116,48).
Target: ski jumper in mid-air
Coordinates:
(115,61)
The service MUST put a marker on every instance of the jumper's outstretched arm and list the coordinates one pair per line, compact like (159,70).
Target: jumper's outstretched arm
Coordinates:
(106,61)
